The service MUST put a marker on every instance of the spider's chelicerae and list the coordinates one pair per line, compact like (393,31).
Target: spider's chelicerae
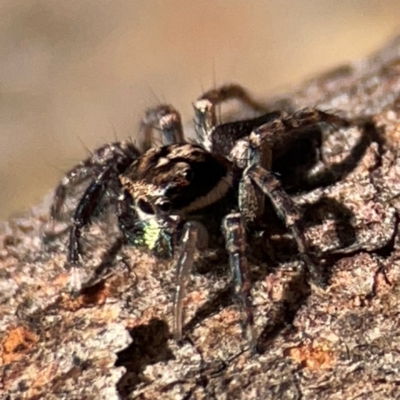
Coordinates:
(172,195)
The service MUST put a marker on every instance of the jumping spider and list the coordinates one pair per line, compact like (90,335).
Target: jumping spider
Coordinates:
(171,195)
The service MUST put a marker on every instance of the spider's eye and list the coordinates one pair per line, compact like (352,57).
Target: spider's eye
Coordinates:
(164,207)
(188,174)
(145,206)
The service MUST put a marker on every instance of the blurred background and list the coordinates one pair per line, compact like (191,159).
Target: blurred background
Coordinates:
(75,74)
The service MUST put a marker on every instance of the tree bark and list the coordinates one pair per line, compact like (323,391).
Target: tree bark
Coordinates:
(340,342)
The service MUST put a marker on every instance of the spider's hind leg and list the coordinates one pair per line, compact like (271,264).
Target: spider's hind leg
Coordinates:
(277,131)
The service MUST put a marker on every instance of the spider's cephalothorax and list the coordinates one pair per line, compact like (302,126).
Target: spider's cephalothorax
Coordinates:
(170,195)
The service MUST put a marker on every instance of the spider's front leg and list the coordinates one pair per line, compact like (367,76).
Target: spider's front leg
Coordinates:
(89,169)
(87,207)
(257,148)
(90,202)
(271,132)
(127,217)
(193,235)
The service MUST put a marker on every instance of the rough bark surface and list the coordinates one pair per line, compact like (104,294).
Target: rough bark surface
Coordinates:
(113,341)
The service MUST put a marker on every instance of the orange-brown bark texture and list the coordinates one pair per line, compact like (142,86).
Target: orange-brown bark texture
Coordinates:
(114,340)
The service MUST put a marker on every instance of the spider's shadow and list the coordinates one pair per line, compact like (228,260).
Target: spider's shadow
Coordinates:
(280,316)
(304,150)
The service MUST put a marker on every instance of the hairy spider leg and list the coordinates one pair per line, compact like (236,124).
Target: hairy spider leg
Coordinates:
(283,125)
(90,202)
(87,206)
(226,137)
(288,212)
(206,105)
(191,238)
(235,242)
(164,118)
(259,140)
(188,242)
(88,169)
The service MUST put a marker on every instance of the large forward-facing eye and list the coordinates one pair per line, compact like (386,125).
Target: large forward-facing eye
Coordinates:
(188,174)
(145,206)
(164,206)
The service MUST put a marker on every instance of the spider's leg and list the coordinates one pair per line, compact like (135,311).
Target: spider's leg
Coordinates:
(256,149)
(287,211)
(184,266)
(251,200)
(87,207)
(228,92)
(205,109)
(278,129)
(235,239)
(88,169)
(165,119)
(260,142)
(89,203)
(269,131)
(75,176)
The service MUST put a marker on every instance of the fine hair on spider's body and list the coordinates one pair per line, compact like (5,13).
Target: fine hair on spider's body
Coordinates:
(175,195)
